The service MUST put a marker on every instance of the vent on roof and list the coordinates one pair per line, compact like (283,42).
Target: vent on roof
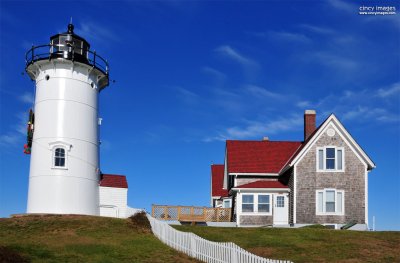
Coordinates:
(265,138)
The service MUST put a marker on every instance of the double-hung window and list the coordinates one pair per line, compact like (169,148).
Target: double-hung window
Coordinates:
(263,203)
(247,203)
(330,158)
(330,202)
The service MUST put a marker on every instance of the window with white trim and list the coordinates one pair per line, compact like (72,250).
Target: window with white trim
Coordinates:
(226,203)
(247,203)
(59,158)
(256,203)
(330,158)
(263,203)
(330,202)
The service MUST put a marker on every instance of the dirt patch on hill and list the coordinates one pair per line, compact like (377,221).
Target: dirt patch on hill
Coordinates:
(8,255)
(140,223)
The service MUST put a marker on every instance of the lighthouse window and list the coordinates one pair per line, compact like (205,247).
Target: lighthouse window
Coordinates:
(59,157)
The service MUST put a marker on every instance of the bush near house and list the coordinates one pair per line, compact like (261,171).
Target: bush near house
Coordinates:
(312,244)
(75,238)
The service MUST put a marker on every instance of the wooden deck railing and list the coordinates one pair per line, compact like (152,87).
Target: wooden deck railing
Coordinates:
(191,213)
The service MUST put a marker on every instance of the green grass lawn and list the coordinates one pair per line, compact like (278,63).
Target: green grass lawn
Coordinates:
(308,244)
(81,239)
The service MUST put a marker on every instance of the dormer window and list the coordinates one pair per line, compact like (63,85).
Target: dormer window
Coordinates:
(330,158)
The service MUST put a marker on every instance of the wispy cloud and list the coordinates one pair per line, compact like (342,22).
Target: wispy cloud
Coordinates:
(317,29)
(389,91)
(335,61)
(343,6)
(16,133)
(96,32)
(9,139)
(259,129)
(187,96)
(289,37)
(233,54)
(216,73)
(261,92)
(371,113)
(303,104)
(26,97)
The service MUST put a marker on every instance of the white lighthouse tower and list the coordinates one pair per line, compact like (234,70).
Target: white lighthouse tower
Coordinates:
(63,132)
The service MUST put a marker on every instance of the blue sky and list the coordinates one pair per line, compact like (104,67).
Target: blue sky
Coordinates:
(189,75)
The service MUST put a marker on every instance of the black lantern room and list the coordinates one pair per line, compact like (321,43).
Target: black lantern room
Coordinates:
(68,46)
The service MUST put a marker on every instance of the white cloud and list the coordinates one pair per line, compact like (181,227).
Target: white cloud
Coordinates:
(390,91)
(235,55)
(261,92)
(303,104)
(187,96)
(288,36)
(9,139)
(344,6)
(259,129)
(318,29)
(26,97)
(216,73)
(335,61)
(370,113)
(96,32)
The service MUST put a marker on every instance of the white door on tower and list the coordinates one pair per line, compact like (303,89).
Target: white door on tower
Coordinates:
(281,209)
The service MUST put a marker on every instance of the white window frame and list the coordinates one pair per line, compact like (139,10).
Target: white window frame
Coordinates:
(55,145)
(324,159)
(229,201)
(323,212)
(255,204)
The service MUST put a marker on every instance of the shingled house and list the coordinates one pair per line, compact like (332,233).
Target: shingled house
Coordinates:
(321,180)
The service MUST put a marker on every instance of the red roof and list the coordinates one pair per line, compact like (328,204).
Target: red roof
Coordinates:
(217,180)
(113,180)
(259,156)
(263,184)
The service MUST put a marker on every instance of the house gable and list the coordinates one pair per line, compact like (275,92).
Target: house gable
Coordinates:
(331,123)
(350,181)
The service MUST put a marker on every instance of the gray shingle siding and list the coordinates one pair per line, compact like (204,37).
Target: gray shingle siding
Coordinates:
(308,180)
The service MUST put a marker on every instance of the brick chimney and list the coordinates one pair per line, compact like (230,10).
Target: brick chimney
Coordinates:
(309,123)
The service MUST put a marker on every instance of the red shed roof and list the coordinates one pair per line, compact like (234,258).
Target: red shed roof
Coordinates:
(217,180)
(259,156)
(263,184)
(113,180)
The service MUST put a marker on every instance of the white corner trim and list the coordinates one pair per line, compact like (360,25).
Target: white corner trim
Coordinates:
(225,183)
(294,194)
(366,196)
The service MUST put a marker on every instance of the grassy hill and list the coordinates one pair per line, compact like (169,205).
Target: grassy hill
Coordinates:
(308,244)
(82,239)
(99,239)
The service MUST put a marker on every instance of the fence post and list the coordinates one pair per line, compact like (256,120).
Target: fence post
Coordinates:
(192,245)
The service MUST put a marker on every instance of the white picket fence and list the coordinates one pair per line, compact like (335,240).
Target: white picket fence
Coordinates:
(203,249)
